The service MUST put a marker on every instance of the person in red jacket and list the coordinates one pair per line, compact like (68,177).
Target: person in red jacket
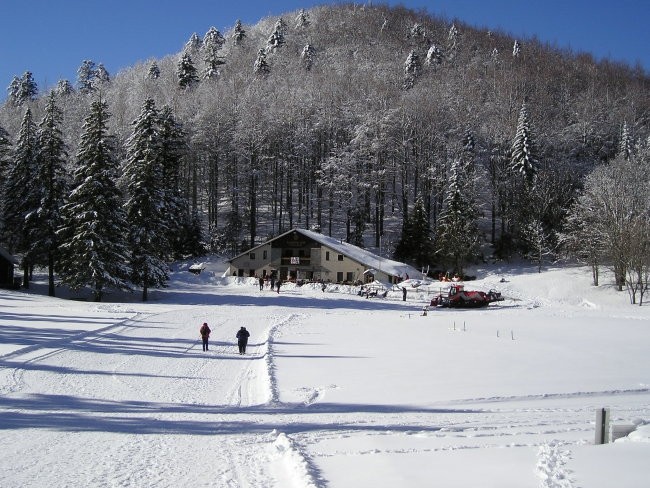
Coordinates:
(205,335)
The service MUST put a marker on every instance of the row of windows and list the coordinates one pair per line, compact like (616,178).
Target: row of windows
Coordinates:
(265,256)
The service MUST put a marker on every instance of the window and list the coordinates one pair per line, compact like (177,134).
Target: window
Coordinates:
(252,256)
(339,277)
(264,254)
(327,255)
(340,257)
(350,277)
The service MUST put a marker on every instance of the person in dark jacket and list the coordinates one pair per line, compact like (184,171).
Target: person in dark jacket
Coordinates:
(242,339)
(205,335)
(261,283)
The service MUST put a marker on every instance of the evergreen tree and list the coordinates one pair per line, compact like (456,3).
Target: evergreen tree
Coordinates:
(101,75)
(5,153)
(93,247)
(457,235)
(147,225)
(452,42)
(261,67)
(184,234)
(21,196)
(307,55)
(238,34)
(86,76)
(625,145)
(193,45)
(434,56)
(524,157)
(64,88)
(23,89)
(213,41)
(52,158)
(516,49)
(412,68)
(276,39)
(302,19)
(415,244)
(186,72)
(154,71)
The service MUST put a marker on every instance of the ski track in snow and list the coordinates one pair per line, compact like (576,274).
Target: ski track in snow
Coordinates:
(175,401)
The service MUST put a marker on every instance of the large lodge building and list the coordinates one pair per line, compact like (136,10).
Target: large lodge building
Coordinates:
(301,254)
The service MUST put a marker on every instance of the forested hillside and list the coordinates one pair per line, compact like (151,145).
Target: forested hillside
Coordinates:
(383,126)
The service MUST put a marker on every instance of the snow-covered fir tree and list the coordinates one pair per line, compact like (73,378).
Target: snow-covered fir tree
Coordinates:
(261,67)
(302,19)
(239,34)
(94,250)
(186,72)
(23,89)
(457,238)
(452,42)
(5,154)
(416,244)
(193,45)
(308,53)
(434,56)
(412,69)
(86,76)
(516,49)
(21,195)
(184,237)
(213,41)
(276,39)
(52,185)
(63,88)
(154,71)
(143,177)
(626,143)
(524,157)
(101,76)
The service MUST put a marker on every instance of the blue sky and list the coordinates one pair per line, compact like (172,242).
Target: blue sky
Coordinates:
(51,38)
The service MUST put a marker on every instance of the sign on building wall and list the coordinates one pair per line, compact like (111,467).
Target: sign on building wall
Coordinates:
(294,260)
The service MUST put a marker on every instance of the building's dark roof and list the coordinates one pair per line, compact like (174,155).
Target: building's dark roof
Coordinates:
(7,255)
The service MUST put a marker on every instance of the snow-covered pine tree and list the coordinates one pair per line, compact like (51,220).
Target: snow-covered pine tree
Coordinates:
(457,238)
(307,55)
(186,72)
(524,157)
(416,244)
(146,202)
(452,42)
(52,180)
(154,71)
(86,76)
(238,34)
(101,76)
(185,236)
(434,56)
(23,89)
(213,41)
(261,67)
(412,69)
(516,49)
(302,19)
(276,39)
(21,194)
(625,144)
(93,246)
(63,88)
(5,151)
(193,45)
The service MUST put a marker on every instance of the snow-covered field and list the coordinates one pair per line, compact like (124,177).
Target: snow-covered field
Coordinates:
(336,390)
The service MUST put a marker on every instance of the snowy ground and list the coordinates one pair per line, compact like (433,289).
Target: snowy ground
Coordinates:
(336,390)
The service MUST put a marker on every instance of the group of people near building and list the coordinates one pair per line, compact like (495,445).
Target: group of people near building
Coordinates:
(241,336)
(272,281)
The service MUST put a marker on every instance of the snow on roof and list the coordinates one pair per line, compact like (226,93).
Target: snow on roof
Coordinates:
(366,258)
(5,254)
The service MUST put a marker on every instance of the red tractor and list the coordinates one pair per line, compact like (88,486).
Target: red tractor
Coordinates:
(458,297)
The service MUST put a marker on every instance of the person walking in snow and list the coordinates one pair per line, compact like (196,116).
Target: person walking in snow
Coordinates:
(403,293)
(242,339)
(278,284)
(261,283)
(205,335)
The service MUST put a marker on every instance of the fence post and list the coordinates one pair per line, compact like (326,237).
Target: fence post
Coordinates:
(602,426)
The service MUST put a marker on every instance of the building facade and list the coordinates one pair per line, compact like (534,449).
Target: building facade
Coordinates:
(301,254)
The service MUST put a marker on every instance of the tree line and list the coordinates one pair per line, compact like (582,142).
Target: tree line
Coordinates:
(436,142)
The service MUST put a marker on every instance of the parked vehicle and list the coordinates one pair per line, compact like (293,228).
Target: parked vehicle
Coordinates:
(458,297)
